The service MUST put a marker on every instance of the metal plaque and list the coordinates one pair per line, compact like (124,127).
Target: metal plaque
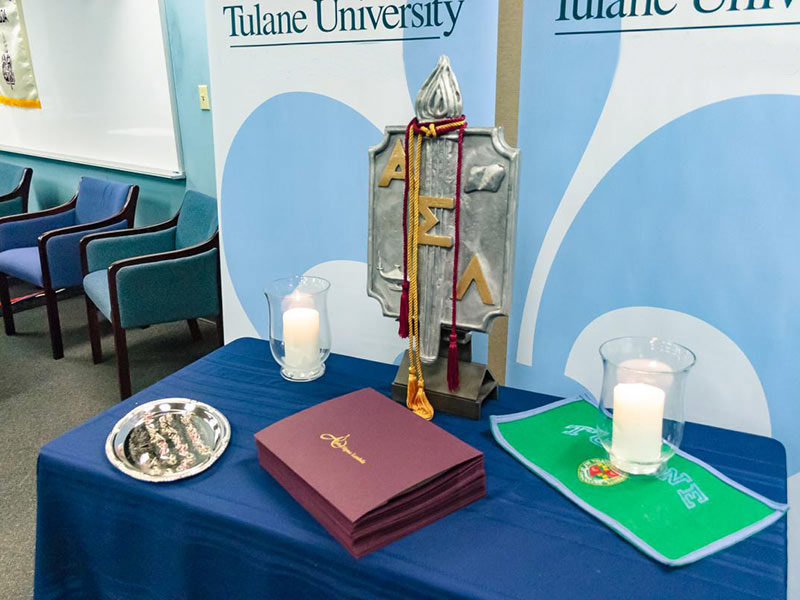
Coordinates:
(489,178)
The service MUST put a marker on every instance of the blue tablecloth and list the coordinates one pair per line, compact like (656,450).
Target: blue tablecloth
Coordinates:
(233,532)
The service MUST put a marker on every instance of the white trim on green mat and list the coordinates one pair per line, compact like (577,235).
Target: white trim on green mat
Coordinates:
(725,542)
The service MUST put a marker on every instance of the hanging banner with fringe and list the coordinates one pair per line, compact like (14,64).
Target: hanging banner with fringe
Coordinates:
(17,84)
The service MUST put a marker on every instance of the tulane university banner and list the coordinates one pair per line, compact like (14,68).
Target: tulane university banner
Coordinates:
(659,190)
(17,84)
(302,89)
(660,195)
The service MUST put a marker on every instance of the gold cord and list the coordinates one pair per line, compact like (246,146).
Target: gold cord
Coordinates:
(416,399)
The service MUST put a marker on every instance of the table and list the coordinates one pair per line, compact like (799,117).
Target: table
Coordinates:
(233,532)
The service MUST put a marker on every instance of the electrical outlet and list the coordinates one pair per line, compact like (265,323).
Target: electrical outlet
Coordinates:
(205,102)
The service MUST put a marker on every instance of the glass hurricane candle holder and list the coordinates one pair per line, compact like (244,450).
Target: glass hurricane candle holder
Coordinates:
(299,331)
(640,415)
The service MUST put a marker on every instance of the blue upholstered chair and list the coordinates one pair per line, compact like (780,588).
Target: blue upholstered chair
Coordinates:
(15,185)
(150,275)
(42,248)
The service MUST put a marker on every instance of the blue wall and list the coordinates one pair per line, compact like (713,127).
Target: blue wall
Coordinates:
(54,182)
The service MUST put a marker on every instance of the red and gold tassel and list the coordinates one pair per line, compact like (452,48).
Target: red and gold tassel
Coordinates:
(402,329)
(452,351)
(416,398)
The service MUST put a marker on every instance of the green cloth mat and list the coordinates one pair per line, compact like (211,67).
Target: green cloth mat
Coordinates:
(686,512)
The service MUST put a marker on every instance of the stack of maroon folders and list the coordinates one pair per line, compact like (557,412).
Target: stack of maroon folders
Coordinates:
(369,470)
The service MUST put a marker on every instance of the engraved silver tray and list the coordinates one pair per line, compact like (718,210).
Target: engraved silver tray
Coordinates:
(168,439)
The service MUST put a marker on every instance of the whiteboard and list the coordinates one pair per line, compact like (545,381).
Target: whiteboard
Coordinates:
(102,69)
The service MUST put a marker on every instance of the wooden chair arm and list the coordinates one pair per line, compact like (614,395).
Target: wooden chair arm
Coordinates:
(22,190)
(45,237)
(210,244)
(41,213)
(127,213)
(85,241)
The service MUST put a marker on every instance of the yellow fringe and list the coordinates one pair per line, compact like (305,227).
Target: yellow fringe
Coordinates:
(21,102)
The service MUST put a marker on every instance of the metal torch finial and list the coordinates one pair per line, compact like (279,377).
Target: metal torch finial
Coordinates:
(439,97)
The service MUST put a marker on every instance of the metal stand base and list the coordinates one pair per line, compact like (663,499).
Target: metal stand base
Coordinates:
(476,385)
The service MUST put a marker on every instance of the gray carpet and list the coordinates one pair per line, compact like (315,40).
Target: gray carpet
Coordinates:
(41,398)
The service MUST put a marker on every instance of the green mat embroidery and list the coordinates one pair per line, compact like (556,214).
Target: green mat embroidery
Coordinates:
(685,513)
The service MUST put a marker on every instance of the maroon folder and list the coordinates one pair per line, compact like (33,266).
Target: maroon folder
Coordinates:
(369,470)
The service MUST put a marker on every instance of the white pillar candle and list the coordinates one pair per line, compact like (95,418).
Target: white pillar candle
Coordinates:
(638,417)
(301,338)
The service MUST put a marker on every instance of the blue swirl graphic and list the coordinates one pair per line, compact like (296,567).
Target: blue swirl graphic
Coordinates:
(701,217)
(294,193)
